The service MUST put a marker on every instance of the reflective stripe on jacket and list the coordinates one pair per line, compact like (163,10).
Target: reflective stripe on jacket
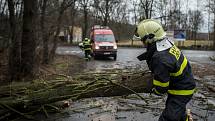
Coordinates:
(87,45)
(172,72)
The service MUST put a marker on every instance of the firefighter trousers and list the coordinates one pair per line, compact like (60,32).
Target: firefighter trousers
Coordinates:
(175,109)
(87,54)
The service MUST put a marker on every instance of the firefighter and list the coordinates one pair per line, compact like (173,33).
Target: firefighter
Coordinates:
(170,68)
(87,48)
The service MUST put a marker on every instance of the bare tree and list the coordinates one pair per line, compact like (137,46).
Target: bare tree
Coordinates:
(211,7)
(174,14)
(135,11)
(44,32)
(162,10)
(195,22)
(14,50)
(28,45)
(62,7)
(120,17)
(85,6)
(146,8)
(73,14)
(106,8)
(97,14)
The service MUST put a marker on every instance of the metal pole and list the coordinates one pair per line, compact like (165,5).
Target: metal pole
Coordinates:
(186,29)
(197,5)
(209,2)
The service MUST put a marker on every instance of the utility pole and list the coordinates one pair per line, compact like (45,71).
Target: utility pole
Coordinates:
(197,5)
(209,2)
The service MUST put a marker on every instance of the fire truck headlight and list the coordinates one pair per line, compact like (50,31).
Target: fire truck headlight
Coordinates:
(96,47)
(115,47)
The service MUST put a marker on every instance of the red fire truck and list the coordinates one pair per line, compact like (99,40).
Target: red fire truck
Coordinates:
(103,42)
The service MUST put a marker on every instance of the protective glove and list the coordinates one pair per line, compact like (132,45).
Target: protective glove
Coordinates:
(154,91)
(142,56)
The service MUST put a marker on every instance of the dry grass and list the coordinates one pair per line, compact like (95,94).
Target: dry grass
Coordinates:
(63,65)
(186,43)
(129,43)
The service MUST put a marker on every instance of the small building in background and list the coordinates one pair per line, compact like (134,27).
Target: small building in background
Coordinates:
(74,36)
(77,34)
(66,33)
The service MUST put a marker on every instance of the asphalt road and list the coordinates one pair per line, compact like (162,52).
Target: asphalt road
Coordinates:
(126,58)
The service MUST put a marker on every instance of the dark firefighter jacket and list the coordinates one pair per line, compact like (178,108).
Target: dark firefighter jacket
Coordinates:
(87,45)
(171,70)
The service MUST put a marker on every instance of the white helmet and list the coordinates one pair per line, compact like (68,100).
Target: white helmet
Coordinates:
(149,31)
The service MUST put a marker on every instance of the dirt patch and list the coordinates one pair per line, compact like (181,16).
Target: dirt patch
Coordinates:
(67,65)
(202,70)
(63,64)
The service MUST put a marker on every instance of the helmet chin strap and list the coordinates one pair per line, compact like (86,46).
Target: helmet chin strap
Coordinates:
(148,38)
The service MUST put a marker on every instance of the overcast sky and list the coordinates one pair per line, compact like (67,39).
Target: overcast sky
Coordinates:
(192,5)
(201,6)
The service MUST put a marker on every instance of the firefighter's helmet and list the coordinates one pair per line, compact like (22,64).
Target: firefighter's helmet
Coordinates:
(149,31)
(86,40)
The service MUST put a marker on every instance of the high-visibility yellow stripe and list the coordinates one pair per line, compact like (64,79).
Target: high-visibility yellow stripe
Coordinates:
(181,92)
(158,83)
(187,118)
(183,66)
(87,49)
(86,43)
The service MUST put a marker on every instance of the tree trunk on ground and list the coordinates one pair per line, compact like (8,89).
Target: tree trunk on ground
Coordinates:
(92,85)
(28,38)
(14,50)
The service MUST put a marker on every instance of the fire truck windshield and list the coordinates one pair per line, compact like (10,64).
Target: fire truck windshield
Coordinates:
(104,38)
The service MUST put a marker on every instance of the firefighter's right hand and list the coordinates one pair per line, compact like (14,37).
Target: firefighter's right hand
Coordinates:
(81,45)
(154,91)
(142,56)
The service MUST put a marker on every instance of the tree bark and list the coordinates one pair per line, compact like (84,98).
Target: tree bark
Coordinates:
(85,22)
(106,13)
(14,50)
(214,34)
(90,86)
(55,41)
(73,13)
(44,33)
(28,38)
(151,6)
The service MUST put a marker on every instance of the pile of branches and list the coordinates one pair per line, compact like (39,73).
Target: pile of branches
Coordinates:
(28,98)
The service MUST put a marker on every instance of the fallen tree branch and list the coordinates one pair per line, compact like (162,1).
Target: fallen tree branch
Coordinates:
(15,111)
(29,97)
(128,89)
